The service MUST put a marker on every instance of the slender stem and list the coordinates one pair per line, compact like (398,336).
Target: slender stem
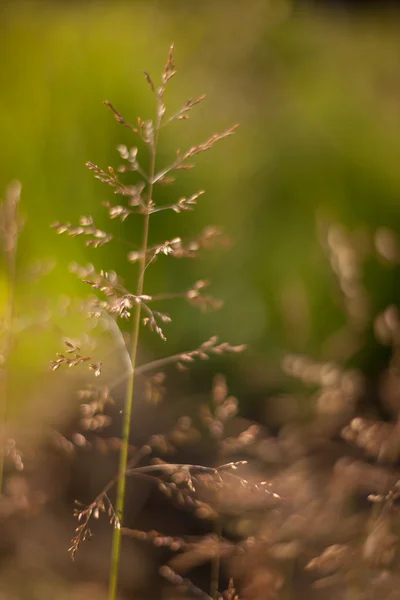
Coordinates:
(11,244)
(123,462)
(171,296)
(160,208)
(157,364)
(5,375)
(149,366)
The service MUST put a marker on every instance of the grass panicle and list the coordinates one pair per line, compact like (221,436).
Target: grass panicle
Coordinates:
(140,200)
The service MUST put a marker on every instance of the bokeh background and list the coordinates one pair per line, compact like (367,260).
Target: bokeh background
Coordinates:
(315,88)
(315,92)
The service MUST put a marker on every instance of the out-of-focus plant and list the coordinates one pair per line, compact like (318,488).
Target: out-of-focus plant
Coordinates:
(10,224)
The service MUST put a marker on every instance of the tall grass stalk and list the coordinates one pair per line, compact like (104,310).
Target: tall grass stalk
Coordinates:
(123,462)
(120,303)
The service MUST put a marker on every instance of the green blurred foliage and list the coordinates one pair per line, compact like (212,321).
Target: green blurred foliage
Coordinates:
(317,97)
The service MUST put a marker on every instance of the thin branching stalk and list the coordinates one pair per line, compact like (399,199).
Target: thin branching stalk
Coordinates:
(211,345)
(123,462)
(121,303)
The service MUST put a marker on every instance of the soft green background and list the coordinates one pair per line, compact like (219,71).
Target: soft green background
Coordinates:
(317,96)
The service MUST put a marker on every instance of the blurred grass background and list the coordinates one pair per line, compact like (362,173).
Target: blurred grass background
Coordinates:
(316,93)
